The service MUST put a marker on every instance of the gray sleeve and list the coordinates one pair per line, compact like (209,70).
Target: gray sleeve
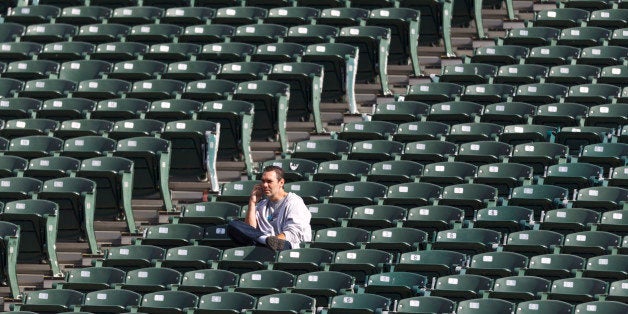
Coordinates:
(296,224)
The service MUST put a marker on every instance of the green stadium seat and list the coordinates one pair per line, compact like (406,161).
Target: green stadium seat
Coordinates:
(191,70)
(371,41)
(11,236)
(154,33)
(209,89)
(375,150)
(50,167)
(186,15)
(569,220)
(311,191)
(110,300)
(299,261)
(206,33)
(448,172)
(47,88)
(172,51)
(11,31)
(412,194)
(531,36)
(221,302)
(119,51)
(430,262)
(396,285)
(89,279)
(483,152)
(467,241)
(47,33)
(190,257)
(425,304)
(608,18)
(32,14)
(576,137)
(206,281)
(488,93)
(101,33)
(136,70)
(358,193)
(603,55)
(617,291)
(275,53)
(19,188)
(156,89)
(554,266)
(537,306)
(343,17)
(610,307)
(606,155)
(291,16)
(83,127)
(583,36)
(468,74)
(614,74)
(134,15)
(62,109)
(505,113)
(327,215)
(259,33)
(323,285)
(576,290)
(31,69)
(504,219)
(372,217)
(593,94)
(532,243)
(619,37)
(357,303)
(241,15)
(607,115)
(247,258)
(404,24)
(572,74)
(504,176)
(573,175)
(606,267)
(366,130)
(51,300)
(19,107)
(339,238)
(519,288)
(525,133)
(12,166)
(520,73)
(13,51)
(120,109)
(304,79)
(434,92)
(433,217)
(552,55)
(561,17)
(244,71)
(461,287)
(539,197)
(198,138)
(590,243)
(169,110)
(483,305)
(311,34)
(28,127)
(421,131)
(400,111)
(129,257)
(538,155)
(468,197)
(500,55)
(613,221)
(168,302)
(497,264)
(172,235)
(284,303)
(452,112)
(237,192)
(260,283)
(82,15)
(151,161)
(271,99)
(340,64)
(90,146)
(34,146)
(208,213)
(392,172)
(397,239)
(150,279)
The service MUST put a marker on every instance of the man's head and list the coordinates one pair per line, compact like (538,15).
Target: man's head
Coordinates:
(272,183)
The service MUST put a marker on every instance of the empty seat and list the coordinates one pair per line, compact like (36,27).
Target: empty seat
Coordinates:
(503,218)
(569,220)
(264,282)
(613,221)
(102,33)
(208,213)
(92,278)
(468,74)
(248,258)
(259,33)
(606,155)
(154,33)
(433,217)
(19,107)
(311,34)
(34,146)
(31,69)
(607,115)
(358,303)
(119,51)
(561,17)
(613,74)
(303,260)
(326,215)
(617,291)
(610,307)
(520,73)
(133,15)
(376,216)
(482,152)
(206,33)
(169,110)
(504,176)
(291,16)
(12,166)
(539,155)
(497,264)
(129,257)
(28,127)
(576,290)
(500,55)
(412,194)
(32,14)
(47,88)
(420,131)
(205,281)
(573,175)
(396,285)
(365,130)
(13,51)
(120,109)
(593,94)
(339,238)
(583,36)
(471,240)
(375,150)
(482,305)
(64,109)
(244,71)
(323,285)
(171,301)
(603,55)
(552,266)
(310,191)
(172,235)
(468,197)
(81,15)
(135,70)
(90,146)
(533,242)
(51,300)
(394,171)
(209,89)
(239,15)
(426,304)
(519,288)
(358,193)
(539,197)
(448,172)
(183,258)
(431,93)
(225,301)
(110,300)
(461,287)
(284,303)
(606,267)
(505,113)
(452,112)
(535,306)
(590,243)
(400,111)
(572,74)
(150,279)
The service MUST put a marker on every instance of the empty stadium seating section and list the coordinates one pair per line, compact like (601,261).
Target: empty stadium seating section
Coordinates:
(456,156)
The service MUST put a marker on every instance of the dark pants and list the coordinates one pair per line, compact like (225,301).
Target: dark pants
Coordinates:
(244,234)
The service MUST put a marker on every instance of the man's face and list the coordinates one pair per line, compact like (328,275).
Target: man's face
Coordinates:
(272,188)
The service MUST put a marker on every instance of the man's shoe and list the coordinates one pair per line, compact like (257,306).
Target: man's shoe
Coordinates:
(277,244)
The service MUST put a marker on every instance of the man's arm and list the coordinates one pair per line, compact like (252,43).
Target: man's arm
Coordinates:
(251,213)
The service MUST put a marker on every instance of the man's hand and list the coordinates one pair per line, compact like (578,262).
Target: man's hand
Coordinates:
(256,194)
